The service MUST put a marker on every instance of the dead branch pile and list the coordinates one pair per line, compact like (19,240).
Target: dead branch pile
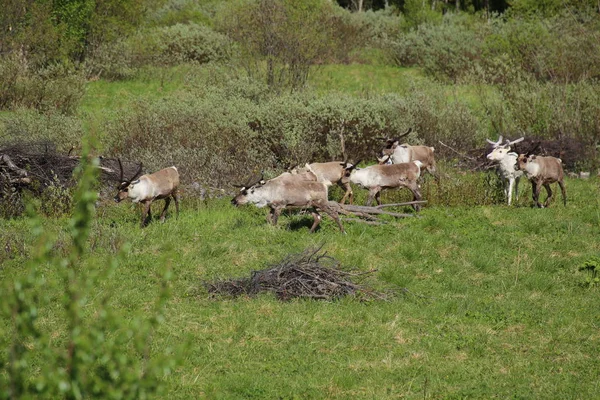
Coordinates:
(310,274)
(41,162)
(36,166)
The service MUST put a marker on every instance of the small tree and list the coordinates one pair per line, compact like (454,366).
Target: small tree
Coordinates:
(281,39)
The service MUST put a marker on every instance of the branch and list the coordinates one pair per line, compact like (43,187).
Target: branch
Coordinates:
(458,152)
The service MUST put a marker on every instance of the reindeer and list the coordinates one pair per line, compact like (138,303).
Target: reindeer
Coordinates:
(507,165)
(330,173)
(542,171)
(162,184)
(396,153)
(378,177)
(288,191)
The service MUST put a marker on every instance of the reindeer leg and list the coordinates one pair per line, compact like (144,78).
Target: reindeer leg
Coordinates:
(164,211)
(332,213)
(517,179)
(176,198)
(372,193)
(347,192)
(433,171)
(317,220)
(276,213)
(146,212)
(549,191)
(378,198)
(564,193)
(537,187)
(416,195)
(511,183)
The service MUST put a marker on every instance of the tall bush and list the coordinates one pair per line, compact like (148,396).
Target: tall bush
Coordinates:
(56,87)
(281,39)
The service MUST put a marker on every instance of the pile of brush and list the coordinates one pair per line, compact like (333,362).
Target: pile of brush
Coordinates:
(36,166)
(310,274)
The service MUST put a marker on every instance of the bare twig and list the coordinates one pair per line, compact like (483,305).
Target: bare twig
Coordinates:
(458,152)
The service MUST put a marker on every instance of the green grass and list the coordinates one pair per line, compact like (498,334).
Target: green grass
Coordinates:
(364,79)
(495,304)
(102,96)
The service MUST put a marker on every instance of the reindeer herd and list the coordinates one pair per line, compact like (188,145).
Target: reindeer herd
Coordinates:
(400,166)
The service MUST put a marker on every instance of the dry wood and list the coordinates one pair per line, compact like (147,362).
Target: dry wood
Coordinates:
(372,210)
(310,274)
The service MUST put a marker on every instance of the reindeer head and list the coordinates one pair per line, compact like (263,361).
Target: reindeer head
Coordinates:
(386,159)
(526,158)
(124,185)
(247,191)
(392,143)
(348,168)
(501,150)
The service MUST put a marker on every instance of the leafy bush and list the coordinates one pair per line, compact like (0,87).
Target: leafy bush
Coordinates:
(179,12)
(281,40)
(562,49)
(26,126)
(158,46)
(56,87)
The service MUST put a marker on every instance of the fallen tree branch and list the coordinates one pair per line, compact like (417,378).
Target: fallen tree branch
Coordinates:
(458,152)
(408,203)
(372,210)
(362,221)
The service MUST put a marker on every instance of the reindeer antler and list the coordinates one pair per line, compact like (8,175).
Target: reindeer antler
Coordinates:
(510,143)
(252,181)
(495,144)
(404,134)
(121,169)
(534,148)
(138,172)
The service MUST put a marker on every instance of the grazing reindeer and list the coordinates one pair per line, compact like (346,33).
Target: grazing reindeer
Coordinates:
(542,171)
(378,177)
(395,153)
(289,191)
(507,165)
(159,185)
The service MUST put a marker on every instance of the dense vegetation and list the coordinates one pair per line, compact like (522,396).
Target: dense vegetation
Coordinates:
(498,301)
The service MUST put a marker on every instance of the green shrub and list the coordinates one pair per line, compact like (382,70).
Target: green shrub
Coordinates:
(27,126)
(157,46)
(56,87)
(183,43)
(280,40)
(180,12)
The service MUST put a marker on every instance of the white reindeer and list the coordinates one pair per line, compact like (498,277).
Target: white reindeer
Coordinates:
(507,166)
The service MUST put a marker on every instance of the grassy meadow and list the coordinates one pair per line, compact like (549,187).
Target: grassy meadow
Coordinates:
(480,300)
(494,305)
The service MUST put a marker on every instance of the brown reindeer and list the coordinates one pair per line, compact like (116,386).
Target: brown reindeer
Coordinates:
(378,177)
(542,171)
(162,184)
(289,191)
(396,153)
(331,173)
